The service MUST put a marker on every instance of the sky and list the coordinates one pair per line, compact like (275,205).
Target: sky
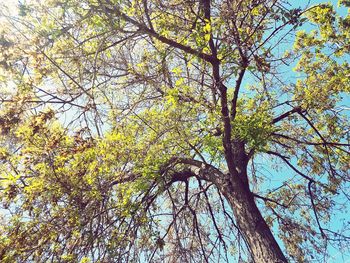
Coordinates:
(337,255)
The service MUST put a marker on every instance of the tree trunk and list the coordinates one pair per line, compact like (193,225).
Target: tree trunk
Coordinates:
(235,187)
(252,225)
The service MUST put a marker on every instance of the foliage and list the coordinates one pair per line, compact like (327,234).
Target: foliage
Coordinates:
(122,121)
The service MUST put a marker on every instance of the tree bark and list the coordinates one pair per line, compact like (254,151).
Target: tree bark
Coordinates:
(252,225)
(235,188)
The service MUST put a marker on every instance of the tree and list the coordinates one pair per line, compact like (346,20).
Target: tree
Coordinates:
(136,130)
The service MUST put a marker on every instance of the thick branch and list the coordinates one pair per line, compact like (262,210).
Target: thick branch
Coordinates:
(286,114)
(207,15)
(236,92)
(197,169)
(266,199)
(152,33)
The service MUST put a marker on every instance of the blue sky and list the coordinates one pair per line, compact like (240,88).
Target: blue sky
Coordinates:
(337,255)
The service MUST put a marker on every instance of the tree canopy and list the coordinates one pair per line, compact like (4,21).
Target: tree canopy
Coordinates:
(174,131)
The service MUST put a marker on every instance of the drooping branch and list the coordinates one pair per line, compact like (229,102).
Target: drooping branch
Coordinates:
(310,143)
(290,165)
(332,170)
(314,209)
(285,159)
(212,215)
